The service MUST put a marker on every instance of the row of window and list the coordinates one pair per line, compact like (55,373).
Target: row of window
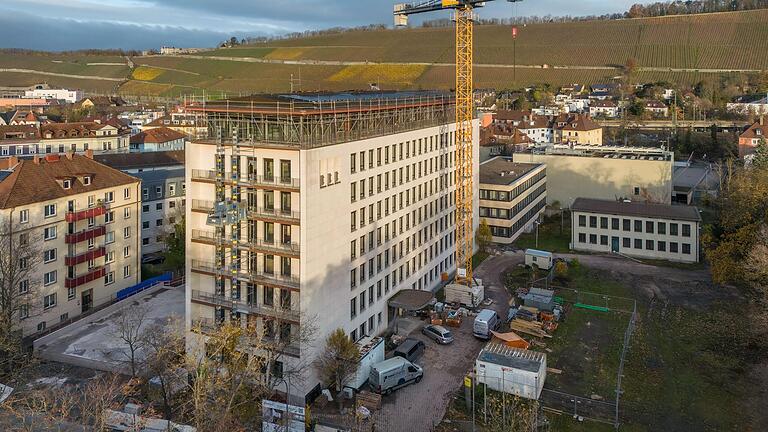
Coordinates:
(372,325)
(494,195)
(30,149)
(50,210)
(638,244)
(399,152)
(159,190)
(502,213)
(159,206)
(400,176)
(527,219)
(637,225)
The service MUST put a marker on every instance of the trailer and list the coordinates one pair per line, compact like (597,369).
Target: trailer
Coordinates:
(537,258)
(371,352)
(514,371)
(471,297)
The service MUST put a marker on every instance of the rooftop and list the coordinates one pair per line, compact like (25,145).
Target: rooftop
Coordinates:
(39,179)
(515,358)
(639,209)
(502,172)
(126,161)
(157,136)
(606,152)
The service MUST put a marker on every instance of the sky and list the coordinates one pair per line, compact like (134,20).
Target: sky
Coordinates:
(56,25)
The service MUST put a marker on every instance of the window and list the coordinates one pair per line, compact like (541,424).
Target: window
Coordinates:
(673,229)
(171,189)
(582,221)
(109,217)
(352,163)
(638,244)
(638,226)
(109,197)
(686,248)
(66,184)
(626,242)
(24,286)
(126,252)
(24,216)
(649,244)
(49,278)
(145,193)
(126,191)
(49,210)
(91,201)
(662,228)
(145,241)
(109,237)
(110,257)
(686,232)
(127,232)
(362,302)
(604,240)
(353,278)
(593,238)
(49,233)
(673,247)
(615,224)
(593,221)
(627,224)
(353,308)
(127,271)
(24,311)
(172,204)
(49,301)
(636,190)
(109,278)
(145,208)
(127,213)
(71,292)
(649,227)
(603,223)
(159,191)
(661,246)
(49,255)
(159,206)
(41,326)
(159,222)
(145,225)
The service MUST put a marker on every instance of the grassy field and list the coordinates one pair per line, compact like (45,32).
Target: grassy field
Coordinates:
(551,238)
(584,52)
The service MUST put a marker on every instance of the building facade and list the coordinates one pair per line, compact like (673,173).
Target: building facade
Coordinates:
(69,96)
(158,139)
(640,230)
(512,197)
(334,226)
(82,218)
(640,174)
(751,137)
(59,138)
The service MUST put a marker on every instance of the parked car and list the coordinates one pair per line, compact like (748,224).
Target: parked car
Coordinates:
(393,374)
(485,322)
(411,349)
(438,333)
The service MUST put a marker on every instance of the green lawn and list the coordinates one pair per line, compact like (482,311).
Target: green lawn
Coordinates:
(552,236)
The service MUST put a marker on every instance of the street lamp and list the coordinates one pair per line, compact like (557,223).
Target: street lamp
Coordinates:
(575,413)
(537,233)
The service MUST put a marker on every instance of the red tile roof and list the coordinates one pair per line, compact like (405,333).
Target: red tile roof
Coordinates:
(34,181)
(19,132)
(159,135)
(752,132)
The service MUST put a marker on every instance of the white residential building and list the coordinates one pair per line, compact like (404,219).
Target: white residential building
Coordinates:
(69,96)
(332,225)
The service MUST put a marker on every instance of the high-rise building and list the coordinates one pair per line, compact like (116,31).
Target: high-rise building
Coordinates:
(319,207)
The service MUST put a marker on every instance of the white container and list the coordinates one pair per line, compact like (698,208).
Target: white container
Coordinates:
(512,370)
(371,352)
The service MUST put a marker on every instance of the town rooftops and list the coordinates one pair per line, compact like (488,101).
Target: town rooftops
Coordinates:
(40,179)
(516,358)
(759,99)
(577,123)
(638,209)
(654,104)
(72,130)
(157,136)
(603,104)
(126,161)
(18,133)
(502,172)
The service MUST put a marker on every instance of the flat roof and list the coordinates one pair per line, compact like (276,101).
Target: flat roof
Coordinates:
(411,300)
(515,358)
(639,209)
(502,172)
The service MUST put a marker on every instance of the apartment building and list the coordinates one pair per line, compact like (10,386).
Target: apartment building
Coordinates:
(344,201)
(603,172)
(158,139)
(636,229)
(59,138)
(69,96)
(83,219)
(512,197)
(163,191)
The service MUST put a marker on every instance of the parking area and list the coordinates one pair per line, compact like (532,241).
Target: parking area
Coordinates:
(92,342)
(420,407)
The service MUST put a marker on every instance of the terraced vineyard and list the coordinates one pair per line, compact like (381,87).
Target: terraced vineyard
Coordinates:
(680,49)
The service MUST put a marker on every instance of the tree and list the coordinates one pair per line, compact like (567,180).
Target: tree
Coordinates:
(338,364)
(130,327)
(164,348)
(175,247)
(19,257)
(760,159)
(484,235)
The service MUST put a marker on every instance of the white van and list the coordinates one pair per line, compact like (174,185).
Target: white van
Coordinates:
(392,374)
(485,322)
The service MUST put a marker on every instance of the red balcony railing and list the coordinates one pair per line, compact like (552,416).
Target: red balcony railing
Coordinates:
(83,257)
(85,214)
(85,235)
(91,276)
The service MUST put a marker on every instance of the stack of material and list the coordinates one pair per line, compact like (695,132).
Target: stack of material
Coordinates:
(454,319)
(510,339)
(540,298)
(532,328)
(372,401)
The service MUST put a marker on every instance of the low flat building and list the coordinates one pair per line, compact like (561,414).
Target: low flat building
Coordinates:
(82,218)
(69,96)
(637,173)
(512,197)
(636,229)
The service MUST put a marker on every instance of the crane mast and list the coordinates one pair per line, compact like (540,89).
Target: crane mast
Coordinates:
(465,19)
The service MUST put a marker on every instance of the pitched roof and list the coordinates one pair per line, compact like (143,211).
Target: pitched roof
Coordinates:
(125,161)
(71,130)
(19,132)
(640,209)
(578,123)
(752,132)
(34,181)
(654,104)
(159,135)
(516,115)
(603,104)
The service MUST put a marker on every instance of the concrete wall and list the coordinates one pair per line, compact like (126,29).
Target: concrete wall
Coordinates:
(571,177)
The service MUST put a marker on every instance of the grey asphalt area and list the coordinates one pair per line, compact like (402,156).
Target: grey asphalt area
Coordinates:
(420,407)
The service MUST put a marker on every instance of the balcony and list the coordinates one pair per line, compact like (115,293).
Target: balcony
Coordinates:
(244,306)
(85,235)
(257,277)
(273,214)
(202,206)
(85,214)
(269,182)
(91,276)
(87,256)
(254,244)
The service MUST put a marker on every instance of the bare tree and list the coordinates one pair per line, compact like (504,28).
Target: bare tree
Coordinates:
(19,256)
(164,348)
(130,328)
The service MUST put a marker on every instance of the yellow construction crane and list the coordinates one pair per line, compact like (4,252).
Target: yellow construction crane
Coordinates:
(465,18)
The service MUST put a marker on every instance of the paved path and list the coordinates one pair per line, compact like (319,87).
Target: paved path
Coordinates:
(419,407)
(88,77)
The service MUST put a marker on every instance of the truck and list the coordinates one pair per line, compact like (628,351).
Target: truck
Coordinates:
(371,352)
(392,374)
(471,297)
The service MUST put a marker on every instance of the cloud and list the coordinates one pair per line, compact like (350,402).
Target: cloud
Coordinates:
(142,24)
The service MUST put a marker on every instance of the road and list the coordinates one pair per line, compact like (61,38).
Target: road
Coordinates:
(86,77)
(419,407)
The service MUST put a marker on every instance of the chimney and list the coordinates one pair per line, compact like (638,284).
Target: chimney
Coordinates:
(36,160)
(13,161)
(89,154)
(69,154)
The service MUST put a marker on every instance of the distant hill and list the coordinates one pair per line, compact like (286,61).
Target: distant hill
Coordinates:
(681,49)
